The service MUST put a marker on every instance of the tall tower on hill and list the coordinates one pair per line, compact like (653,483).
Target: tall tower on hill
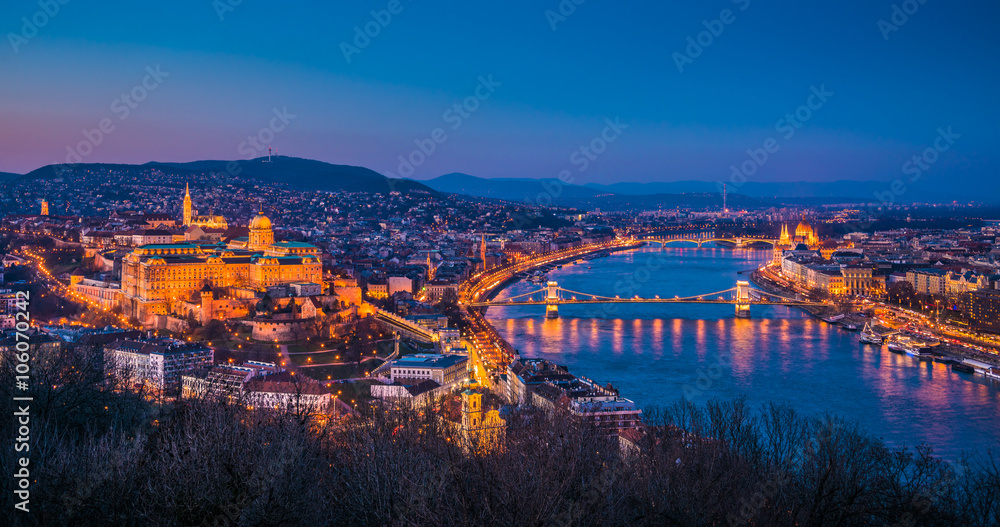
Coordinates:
(45,207)
(187,205)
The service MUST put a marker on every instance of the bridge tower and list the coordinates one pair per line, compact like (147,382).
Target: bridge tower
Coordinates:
(552,301)
(743,299)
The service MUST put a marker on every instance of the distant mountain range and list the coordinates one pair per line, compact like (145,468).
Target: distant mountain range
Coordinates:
(612,197)
(666,193)
(304,174)
(859,190)
(513,189)
(307,174)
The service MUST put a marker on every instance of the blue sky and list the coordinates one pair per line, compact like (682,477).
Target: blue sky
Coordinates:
(226,77)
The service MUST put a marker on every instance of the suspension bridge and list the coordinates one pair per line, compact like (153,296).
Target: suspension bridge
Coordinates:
(742,297)
(700,238)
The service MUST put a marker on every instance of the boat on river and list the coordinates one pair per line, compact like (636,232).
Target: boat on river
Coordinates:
(869,336)
(916,348)
(538,278)
(897,344)
(962,367)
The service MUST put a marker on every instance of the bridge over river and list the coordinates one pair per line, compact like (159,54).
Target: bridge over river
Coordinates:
(742,297)
(700,237)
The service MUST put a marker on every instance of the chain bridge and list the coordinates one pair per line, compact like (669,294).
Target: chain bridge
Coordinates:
(742,297)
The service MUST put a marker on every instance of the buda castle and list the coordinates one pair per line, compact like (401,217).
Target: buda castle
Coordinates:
(156,276)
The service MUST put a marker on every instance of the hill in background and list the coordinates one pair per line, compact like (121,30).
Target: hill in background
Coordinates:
(303,174)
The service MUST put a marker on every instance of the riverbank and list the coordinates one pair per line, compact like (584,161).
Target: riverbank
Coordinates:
(657,353)
(495,352)
(491,293)
(946,349)
(768,286)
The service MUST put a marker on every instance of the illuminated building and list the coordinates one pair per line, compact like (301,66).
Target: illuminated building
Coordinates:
(784,239)
(378,289)
(187,205)
(190,219)
(45,208)
(784,243)
(859,280)
(982,309)
(287,391)
(156,276)
(442,369)
(157,364)
(261,235)
(436,289)
(804,233)
(928,281)
(483,429)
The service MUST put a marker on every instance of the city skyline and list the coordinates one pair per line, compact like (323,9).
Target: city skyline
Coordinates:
(227,72)
(569,262)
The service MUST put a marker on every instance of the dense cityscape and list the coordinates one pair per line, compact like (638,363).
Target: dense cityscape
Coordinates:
(397,263)
(335,306)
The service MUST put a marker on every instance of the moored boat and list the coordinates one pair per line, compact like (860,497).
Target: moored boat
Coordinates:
(897,345)
(962,367)
(917,349)
(868,336)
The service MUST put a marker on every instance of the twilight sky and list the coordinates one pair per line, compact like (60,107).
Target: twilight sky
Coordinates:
(228,71)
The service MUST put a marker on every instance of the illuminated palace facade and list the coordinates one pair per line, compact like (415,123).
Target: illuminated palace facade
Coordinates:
(155,276)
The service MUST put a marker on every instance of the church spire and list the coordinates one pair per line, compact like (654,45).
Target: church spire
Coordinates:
(187,205)
(482,250)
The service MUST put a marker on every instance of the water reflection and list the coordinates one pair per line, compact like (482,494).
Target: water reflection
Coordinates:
(779,354)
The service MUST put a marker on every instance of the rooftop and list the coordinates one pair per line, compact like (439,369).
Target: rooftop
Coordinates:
(429,360)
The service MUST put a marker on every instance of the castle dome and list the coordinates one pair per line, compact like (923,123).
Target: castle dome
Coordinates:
(260,222)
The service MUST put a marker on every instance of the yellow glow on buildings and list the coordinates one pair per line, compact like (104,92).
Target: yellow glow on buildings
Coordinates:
(155,276)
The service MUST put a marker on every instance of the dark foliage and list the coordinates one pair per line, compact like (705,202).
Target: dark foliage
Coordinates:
(104,457)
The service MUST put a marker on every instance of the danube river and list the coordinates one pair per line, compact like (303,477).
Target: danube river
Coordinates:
(655,353)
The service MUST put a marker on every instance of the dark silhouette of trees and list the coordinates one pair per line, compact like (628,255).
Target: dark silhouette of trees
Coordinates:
(104,455)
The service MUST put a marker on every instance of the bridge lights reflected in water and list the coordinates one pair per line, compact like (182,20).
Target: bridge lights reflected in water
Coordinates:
(779,354)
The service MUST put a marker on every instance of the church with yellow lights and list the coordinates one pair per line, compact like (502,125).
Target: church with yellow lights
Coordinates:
(192,220)
(155,277)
